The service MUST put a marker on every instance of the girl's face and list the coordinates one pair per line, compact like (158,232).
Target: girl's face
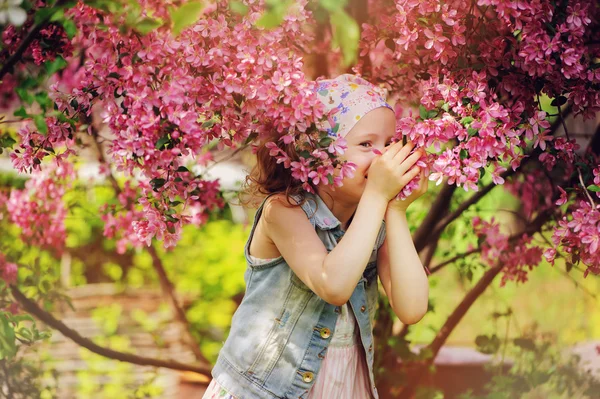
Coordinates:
(373,131)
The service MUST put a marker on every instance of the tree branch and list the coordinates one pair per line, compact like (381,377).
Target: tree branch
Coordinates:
(417,369)
(438,209)
(33,308)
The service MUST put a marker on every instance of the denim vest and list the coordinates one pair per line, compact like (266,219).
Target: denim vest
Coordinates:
(281,330)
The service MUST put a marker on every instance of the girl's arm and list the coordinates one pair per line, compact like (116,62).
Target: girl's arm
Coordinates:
(332,276)
(401,272)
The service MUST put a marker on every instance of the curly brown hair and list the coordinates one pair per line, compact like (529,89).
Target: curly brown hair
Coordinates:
(269,177)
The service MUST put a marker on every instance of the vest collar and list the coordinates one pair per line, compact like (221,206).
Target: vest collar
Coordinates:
(324,218)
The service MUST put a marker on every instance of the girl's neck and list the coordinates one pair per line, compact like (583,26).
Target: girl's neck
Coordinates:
(341,209)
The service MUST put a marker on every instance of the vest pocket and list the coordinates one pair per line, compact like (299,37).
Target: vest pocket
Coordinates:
(274,344)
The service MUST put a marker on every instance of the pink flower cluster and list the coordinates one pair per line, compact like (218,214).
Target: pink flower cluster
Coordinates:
(579,236)
(318,163)
(479,68)
(51,42)
(39,210)
(8,270)
(576,234)
(35,146)
(517,260)
(136,217)
(165,98)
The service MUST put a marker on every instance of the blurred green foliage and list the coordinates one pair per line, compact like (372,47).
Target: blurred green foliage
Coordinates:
(540,370)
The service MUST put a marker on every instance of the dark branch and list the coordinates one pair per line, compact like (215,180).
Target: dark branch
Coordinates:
(31,36)
(34,309)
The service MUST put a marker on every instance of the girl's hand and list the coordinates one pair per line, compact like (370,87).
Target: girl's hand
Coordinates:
(402,205)
(388,173)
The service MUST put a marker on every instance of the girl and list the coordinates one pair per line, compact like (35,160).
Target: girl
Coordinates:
(305,326)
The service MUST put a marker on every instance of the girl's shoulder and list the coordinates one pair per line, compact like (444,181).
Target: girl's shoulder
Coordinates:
(279,206)
(278,218)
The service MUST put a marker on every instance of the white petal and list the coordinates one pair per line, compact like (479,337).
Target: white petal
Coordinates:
(17,16)
(3,17)
(14,2)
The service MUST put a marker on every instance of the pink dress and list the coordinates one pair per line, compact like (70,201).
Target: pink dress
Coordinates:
(343,373)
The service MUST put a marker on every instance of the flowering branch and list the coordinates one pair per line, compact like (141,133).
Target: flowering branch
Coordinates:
(583,187)
(424,234)
(31,36)
(165,283)
(34,309)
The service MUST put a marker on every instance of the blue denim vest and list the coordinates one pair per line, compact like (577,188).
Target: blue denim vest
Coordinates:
(281,330)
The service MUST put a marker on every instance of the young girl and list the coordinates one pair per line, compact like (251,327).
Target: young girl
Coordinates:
(305,326)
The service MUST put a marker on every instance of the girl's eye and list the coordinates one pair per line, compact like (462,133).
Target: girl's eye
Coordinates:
(366,142)
(388,144)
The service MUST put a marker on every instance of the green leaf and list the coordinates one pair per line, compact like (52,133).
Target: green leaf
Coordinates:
(182,169)
(273,17)
(55,65)
(346,34)
(208,124)
(21,112)
(6,141)
(43,99)
(238,7)
(162,141)
(324,142)
(171,219)
(333,5)
(25,95)
(593,188)
(44,14)
(472,132)
(432,114)
(157,183)
(250,138)
(70,28)
(40,123)
(558,101)
(463,154)
(466,120)
(487,344)
(147,25)
(185,15)
(525,343)
(423,112)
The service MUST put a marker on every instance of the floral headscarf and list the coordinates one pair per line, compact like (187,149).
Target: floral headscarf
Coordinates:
(347,98)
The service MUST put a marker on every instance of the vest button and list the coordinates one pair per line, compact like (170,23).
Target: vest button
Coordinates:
(370,347)
(307,376)
(363,308)
(337,309)
(325,332)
